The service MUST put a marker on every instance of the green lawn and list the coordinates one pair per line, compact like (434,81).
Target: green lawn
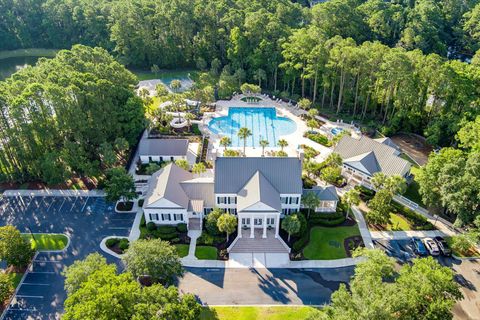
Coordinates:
(182,249)
(256,313)
(398,223)
(33,52)
(15,278)
(206,253)
(47,241)
(412,192)
(326,243)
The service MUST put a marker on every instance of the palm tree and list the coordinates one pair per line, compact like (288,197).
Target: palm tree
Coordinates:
(225,142)
(244,133)
(312,113)
(263,143)
(311,201)
(175,85)
(351,198)
(282,143)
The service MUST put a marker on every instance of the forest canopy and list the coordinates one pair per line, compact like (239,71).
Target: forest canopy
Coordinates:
(66,116)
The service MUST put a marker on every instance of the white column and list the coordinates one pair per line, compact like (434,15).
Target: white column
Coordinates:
(252,235)
(264,226)
(239,226)
(277,226)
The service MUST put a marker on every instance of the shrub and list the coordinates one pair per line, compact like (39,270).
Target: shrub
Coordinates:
(205,239)
(211,221)
(175,240)
(303,223)
(151,226)
(123,244)
(300,243)
(308,183)
(6,287)
(167,229)
(365,193)
(112,242)
(182,228)
(318,138)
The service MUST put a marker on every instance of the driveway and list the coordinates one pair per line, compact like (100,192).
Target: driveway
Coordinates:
(86,220)
(467,275)
(264,286)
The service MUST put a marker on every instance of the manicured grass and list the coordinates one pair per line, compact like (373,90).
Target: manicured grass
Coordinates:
(412,192)
(15,278)
(206,253)
(47,241)
(182,250)
(326,243)
(398,223)
(256,313)
(33,52)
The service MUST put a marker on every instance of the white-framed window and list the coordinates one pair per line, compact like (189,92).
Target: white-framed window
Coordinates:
(245,221)
(166,217)
(207,210)
(284,200)
(221,200)
(178,217)
(153,216)
(270,221)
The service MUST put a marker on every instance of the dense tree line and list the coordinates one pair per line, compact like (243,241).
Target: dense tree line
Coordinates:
(353,56)
(76,114)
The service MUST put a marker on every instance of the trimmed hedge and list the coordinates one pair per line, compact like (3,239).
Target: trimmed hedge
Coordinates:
(318,138)
(208,239)
(151,226)
(123,244)
(182,228)
(300,243)
(418,222)
(167,229)
(112,242)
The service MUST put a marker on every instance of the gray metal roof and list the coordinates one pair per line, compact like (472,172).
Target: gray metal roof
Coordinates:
(327,193)
(258,190)
(358,150)
(165,184)
(163,147)
(365,162)
(232,173)
(389,142)
(200,189)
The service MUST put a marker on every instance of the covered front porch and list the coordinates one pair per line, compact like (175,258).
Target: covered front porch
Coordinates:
(248,222)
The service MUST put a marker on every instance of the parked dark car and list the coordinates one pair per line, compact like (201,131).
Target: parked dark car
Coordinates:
(443,246)
(419,247)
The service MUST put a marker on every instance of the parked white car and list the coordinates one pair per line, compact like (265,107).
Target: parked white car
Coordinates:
(431,246)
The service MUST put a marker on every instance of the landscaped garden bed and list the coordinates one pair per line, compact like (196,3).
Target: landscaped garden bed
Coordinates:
(309,152)
(208,243)
(46,241)
(318,138)
(118,245)
(175,234)
(124,206)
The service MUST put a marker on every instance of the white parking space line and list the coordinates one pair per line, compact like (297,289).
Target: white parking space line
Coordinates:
(83,208)
(28,205)
(73,205)
(22,309)
(34,297)
(51,204)
(42,272)
(64,199)
(119,228)
(51,261)
(35,284)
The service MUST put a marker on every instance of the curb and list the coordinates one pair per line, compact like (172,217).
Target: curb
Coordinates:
(105,249)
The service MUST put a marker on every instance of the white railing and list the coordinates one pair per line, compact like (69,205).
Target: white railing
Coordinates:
(284,244)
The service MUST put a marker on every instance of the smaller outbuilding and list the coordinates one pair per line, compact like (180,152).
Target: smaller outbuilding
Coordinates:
(327,195)
(158,150)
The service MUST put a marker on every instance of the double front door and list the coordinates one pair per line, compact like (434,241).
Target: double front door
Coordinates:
(258,222)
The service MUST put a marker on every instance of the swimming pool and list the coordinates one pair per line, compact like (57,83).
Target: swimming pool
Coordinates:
(336,131)
(262,122)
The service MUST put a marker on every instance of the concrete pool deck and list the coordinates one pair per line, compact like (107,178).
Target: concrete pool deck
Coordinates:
(294,139)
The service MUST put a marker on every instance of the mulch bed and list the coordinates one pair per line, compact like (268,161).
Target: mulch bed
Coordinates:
(116,248)
(125,206)
(351,243)
(222,253)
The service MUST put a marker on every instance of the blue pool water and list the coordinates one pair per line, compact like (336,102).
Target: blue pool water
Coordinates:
(336,131)
(262,122)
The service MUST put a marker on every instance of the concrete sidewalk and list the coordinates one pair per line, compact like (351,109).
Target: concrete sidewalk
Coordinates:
(54,193)
(267,261)
(401,235)
(364,231)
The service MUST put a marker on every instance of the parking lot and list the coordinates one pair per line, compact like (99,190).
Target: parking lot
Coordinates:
(86,220)
(467,275)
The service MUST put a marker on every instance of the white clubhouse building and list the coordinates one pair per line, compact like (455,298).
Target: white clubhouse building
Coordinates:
(258,190)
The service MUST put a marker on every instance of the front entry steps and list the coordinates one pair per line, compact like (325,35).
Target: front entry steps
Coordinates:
(270,244)
(194,224)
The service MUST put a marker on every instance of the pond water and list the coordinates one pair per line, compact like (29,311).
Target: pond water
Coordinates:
(9,66)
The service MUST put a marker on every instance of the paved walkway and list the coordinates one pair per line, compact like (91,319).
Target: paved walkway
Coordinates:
(53,193)
(194,235)
(401,235)
(364,231)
